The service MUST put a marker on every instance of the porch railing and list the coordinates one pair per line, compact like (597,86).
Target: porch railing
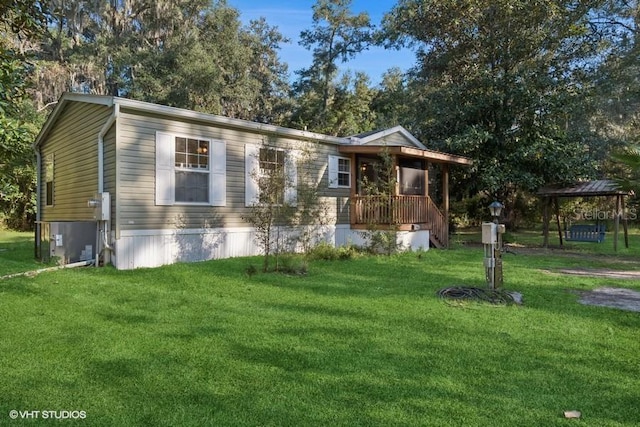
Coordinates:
(400,210)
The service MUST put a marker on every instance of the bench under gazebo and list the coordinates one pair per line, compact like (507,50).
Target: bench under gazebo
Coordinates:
(584,232)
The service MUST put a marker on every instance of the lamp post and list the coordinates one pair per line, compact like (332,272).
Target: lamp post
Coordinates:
(496,209)
(492,242)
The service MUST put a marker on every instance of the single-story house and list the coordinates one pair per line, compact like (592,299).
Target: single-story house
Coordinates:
(137,184)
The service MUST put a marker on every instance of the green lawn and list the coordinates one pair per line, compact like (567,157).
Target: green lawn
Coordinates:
(17,252)
(362,342)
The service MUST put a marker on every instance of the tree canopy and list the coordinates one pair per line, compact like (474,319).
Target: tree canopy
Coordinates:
(535,92)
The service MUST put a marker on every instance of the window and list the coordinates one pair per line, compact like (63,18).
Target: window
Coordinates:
(272,178)
(412,177)
(48,174)
(270,172)
(339,172)
(190,170)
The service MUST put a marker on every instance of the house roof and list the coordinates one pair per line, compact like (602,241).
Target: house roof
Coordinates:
(130,104)
(381,137)
(603,187)
(433,156)
(370,142)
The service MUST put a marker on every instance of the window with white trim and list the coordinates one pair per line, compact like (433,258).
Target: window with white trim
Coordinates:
(190,170)
(339,172)
(272,179)
(270,170)
(48,178)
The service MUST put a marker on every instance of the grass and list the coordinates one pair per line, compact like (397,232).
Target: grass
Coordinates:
(17,252)
(360,342)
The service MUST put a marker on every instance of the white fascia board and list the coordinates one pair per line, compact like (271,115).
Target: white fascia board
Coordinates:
(227,121)
(396,129)
(66,97)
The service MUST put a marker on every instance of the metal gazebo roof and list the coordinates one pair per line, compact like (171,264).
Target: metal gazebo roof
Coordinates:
(602,187)
(599,188)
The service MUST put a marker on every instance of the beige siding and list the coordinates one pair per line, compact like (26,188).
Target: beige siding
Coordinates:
(136,174)
(73,141)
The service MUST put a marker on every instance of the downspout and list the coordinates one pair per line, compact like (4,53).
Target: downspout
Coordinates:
(37,242)
(103,232)
(110,121)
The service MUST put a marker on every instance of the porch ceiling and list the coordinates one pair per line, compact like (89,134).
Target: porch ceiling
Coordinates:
(433,156)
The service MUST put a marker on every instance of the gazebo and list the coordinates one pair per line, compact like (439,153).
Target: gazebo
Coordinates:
(599,188)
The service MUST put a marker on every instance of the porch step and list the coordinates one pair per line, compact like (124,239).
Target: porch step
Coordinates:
(436,242)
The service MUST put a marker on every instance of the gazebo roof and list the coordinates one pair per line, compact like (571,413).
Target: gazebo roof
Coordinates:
(602,187)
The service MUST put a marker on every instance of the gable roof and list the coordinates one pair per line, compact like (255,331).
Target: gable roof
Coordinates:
(397,138)
(178,113)
(382,137)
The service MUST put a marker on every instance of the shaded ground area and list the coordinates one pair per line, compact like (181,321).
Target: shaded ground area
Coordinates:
(602,272)
(620,298)
(624,299)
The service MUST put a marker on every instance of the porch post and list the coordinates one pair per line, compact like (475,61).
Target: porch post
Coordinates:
(445,192)
(353,190)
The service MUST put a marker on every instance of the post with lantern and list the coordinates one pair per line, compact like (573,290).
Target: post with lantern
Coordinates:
(492,241)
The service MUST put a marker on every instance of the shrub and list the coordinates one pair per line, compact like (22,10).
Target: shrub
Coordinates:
(326,251)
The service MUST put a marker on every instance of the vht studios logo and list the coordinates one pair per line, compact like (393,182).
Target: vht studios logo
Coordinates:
(54,415)
(604,215)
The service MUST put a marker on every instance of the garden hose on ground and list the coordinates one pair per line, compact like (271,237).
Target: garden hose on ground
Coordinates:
(492,296)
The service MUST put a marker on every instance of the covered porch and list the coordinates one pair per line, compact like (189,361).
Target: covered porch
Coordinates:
(407,206)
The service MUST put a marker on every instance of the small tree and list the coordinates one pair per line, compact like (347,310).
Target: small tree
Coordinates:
(272,209)
(312,213)
(380,183)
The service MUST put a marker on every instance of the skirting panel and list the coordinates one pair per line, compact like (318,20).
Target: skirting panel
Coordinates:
(153,248)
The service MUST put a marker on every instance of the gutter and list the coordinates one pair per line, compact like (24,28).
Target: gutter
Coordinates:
(36,240)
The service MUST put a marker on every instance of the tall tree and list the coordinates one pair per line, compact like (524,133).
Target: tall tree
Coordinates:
(19,20)
(502,81)
(616,105)
(187,53)
(336,36)
(392,101)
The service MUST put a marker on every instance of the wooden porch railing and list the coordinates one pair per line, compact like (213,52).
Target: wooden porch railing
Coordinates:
(401,210)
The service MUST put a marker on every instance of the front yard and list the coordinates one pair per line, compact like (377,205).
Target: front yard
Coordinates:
(359,342)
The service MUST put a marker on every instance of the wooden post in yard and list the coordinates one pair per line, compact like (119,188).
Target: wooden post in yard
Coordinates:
(545,222)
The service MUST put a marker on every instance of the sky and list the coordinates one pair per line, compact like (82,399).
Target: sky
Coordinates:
(293,16)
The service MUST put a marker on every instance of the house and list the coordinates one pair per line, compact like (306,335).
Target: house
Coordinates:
(136,184)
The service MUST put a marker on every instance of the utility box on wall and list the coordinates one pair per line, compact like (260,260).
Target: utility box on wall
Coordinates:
(101,204)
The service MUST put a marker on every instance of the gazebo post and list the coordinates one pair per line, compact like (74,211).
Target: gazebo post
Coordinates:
(617,222)
(625,226)
(557,209)
(545,219)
